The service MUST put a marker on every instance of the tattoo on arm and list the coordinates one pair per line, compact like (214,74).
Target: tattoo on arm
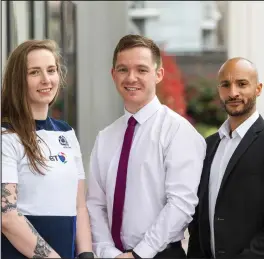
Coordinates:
(8,197)
(34,231)
(42,248)
(9,203)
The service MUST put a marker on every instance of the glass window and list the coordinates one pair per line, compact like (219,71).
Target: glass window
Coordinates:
(61,27)
(54,21)
(54,32)
(69,42)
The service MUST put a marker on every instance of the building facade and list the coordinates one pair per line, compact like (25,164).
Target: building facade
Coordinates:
(181,27)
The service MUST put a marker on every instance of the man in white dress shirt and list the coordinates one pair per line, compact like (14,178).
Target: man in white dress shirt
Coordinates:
(145,167)
(229,220)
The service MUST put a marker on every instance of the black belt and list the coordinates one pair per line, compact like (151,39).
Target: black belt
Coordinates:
(174,245)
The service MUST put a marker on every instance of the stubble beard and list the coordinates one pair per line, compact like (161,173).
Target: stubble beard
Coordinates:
(247,108)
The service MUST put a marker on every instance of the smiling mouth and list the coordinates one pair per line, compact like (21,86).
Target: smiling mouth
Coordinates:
(44,90)
(132,89)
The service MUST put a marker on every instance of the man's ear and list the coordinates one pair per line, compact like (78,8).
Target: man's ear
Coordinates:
(259,89)
(113,72)
(159,75)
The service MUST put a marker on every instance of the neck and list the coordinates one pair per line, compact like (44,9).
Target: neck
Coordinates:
(134,108)
(39,112)
(236,121)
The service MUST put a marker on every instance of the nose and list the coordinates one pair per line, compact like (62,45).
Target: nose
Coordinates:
(45,78)
(131,77)
(234,91)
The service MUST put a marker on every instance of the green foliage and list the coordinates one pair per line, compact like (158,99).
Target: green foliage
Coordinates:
(205,130)
(203,104)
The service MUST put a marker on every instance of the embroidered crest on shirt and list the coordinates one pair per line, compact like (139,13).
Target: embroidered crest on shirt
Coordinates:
(63,141)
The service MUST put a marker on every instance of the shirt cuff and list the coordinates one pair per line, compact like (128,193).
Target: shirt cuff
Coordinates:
(111,252)
(144,250)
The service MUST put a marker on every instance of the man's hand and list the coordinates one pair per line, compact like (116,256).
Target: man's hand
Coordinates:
(125,255)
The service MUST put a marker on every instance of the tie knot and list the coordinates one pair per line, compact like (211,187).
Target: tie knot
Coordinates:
(132,121)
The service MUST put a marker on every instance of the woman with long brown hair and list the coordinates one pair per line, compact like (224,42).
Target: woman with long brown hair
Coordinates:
(44,214)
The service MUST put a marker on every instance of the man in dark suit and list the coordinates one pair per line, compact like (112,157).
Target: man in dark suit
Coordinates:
(229,219)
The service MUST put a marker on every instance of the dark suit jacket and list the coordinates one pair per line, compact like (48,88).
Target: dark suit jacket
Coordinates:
(239,210)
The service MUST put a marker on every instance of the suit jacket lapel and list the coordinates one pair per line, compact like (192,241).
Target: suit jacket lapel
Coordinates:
(207,165)
(247,140)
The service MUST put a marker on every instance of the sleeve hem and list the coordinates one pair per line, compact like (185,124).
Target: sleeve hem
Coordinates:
(144,250)
(10,180)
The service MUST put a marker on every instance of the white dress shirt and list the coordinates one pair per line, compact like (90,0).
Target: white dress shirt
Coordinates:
(163,175)
(224,152)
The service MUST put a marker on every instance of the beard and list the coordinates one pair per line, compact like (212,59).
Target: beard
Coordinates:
(247,107)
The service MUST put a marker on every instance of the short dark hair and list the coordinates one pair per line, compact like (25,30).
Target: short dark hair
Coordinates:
(132,41)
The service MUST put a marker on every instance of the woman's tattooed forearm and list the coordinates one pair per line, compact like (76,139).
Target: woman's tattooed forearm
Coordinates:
(5,191)
(42,249)
(9,202)
(34,231)
(8,198)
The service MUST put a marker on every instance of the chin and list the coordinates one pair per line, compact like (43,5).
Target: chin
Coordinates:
(44,102)
(133,99)
(236,113)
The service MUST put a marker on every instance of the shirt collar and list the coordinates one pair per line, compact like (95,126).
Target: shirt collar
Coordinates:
(224,130)
(146,112)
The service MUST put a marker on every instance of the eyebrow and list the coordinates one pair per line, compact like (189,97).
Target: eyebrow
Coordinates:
(143,66)
(237,80)
(40,67)
(140,65)
(224,81)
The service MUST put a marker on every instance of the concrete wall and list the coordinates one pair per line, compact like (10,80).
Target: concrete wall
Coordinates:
(21,10)
(100,25)
(246,37)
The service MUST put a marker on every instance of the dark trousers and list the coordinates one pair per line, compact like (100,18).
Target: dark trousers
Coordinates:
(173,251)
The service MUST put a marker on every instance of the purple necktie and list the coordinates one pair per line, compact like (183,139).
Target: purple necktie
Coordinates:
(120,187)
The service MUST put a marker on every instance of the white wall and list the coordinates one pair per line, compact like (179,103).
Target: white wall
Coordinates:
(246,36)
(100,25)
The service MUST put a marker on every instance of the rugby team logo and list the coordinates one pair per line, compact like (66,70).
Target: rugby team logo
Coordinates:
(63,141)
